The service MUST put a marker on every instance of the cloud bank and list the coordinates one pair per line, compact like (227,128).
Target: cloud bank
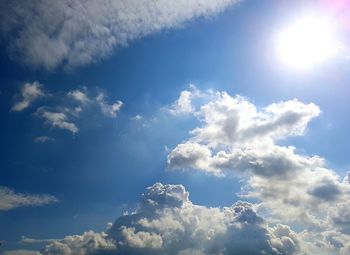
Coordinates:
(167,222)
(74,33)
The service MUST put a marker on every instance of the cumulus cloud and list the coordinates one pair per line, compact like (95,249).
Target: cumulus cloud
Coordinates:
(9,199)
(74,33)
(184,104)
(30,92)
(87,243)
(167,222)
(234,137)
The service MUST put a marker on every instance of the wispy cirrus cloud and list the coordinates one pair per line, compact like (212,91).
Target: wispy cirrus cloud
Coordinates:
(74,33)
(9,199)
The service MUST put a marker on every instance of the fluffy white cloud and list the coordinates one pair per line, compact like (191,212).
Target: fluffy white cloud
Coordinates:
(167,222)
(73,33)
(9,199)
(184,104)
(236,138)
(87,243)
(29,93)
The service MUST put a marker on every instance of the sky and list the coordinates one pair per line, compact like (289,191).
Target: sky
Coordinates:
(194,127)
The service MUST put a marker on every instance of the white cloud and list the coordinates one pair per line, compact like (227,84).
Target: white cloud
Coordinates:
(28,240)
(79,32)
(234,137)
(167,222)
(87,243)
(78,96)
(65,108)
(57,119)
(10,199)
(109,110)
(29,93)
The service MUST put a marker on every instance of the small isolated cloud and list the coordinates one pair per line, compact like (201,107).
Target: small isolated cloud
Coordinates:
(184,104)
(57,119)
(28,240)
(44,139)
(78,96)
(45,34)
(108,110)
(30,92)
(9,199)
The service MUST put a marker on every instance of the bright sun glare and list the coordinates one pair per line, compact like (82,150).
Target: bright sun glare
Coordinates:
(307,42)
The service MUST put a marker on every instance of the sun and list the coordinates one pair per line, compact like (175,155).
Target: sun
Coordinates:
(306,42)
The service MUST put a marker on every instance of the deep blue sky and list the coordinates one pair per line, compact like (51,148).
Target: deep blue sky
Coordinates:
(100,172)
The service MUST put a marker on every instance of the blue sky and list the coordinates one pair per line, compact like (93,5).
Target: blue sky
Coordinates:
(92,176)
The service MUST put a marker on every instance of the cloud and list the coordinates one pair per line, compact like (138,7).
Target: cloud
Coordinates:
(184,104)
(64,108)
(236,138)
(21,252)
(167,222)
(48,35)
(107,109)
(87,243)
(30,92)
(44,139)
(9,199)
(78,96)
(57,119)
(28,240)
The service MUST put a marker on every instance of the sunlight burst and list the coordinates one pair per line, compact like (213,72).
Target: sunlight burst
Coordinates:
(307,42)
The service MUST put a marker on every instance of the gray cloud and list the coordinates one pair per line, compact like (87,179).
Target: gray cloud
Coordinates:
(21,252)
(44,139)
(73,33)
(9,199)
